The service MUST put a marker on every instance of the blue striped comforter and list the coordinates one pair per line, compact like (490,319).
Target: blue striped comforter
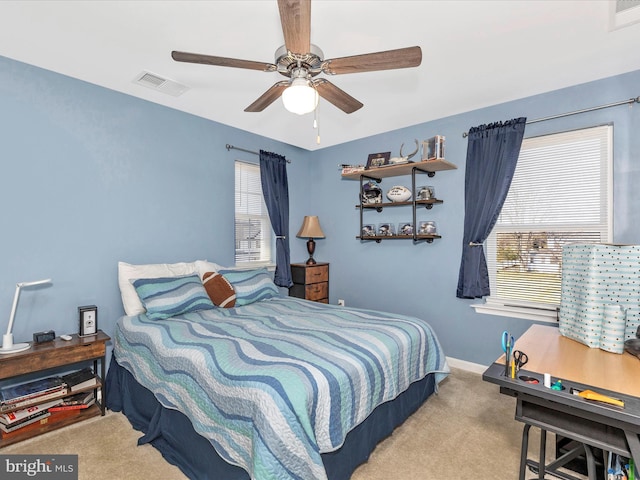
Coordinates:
(276,383)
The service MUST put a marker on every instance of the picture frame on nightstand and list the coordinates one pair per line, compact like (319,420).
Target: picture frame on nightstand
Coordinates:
(88,320)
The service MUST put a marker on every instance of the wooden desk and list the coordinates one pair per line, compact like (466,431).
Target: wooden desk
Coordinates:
(550,352)
(610,428)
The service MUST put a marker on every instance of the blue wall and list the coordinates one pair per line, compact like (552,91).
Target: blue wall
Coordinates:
(91,177)
(421,279)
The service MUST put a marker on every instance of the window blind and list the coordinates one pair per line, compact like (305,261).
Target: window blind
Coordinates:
(560,194)
(252,225)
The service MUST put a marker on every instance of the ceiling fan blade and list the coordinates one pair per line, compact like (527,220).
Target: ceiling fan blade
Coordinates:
(268,97)
(295,16)
(336,96)
(222,61)
(371,62)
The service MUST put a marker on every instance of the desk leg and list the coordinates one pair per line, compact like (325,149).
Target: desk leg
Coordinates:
(634,446)
(591,462)
(543,454)
(567,457)
(524,451)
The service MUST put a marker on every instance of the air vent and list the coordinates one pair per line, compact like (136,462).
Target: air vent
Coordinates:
(156,82)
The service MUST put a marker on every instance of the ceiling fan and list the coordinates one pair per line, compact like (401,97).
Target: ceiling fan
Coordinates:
(301,61)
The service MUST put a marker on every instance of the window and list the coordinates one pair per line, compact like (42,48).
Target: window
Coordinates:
(252,226)
(560,194)
(623,13)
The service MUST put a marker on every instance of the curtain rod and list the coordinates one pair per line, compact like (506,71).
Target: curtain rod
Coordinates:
(231,147)
(560,115)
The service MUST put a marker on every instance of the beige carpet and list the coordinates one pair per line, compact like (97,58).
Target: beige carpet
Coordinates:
(466,431)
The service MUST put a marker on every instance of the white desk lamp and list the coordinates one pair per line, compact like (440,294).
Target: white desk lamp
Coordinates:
(7,339)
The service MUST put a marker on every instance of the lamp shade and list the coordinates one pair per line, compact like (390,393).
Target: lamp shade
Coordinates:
(300,97)
(310,228)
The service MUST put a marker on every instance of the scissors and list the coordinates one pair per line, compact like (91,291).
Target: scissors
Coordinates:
(520,358)
(507,343)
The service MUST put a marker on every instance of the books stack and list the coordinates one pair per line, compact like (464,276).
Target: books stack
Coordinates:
(12,421)
(31,402)
(81,379)
(15,397)
(79,401)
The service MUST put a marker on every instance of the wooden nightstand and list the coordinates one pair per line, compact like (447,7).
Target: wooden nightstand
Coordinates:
(310,282)
(58,353)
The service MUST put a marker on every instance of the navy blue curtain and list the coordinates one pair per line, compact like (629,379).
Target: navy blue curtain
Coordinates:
(492,154)
(275,189)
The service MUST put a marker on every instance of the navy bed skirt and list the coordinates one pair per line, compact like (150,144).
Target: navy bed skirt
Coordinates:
(172,434)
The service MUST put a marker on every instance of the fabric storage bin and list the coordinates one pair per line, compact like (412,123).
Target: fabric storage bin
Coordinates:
(600,293)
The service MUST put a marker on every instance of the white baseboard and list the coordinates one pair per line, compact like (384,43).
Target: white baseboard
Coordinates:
(468,366)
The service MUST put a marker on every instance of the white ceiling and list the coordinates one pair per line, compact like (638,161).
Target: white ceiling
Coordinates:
(475,54)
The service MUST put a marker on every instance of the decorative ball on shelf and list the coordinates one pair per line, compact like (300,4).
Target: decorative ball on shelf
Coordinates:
(399,193)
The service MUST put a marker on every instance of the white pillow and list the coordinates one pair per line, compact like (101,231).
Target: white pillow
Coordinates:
(127,272)
(204,266)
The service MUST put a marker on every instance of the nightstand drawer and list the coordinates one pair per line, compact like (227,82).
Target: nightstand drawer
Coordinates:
(314,274)
(317,291)
(314,291)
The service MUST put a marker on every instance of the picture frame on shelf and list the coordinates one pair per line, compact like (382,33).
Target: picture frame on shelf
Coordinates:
(405,228)
(376,160)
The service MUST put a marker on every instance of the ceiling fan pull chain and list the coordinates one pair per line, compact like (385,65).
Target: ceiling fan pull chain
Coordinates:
(316,123)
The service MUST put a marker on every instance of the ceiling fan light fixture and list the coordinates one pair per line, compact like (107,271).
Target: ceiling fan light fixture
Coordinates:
(300,97)
(301,61)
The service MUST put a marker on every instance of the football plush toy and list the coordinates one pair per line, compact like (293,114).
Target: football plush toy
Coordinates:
(399,194)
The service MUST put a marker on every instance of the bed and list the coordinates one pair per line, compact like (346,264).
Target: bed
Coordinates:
(272,388)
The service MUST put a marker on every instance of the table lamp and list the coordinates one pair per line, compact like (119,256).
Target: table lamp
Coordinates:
(310,229)
(7,339)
